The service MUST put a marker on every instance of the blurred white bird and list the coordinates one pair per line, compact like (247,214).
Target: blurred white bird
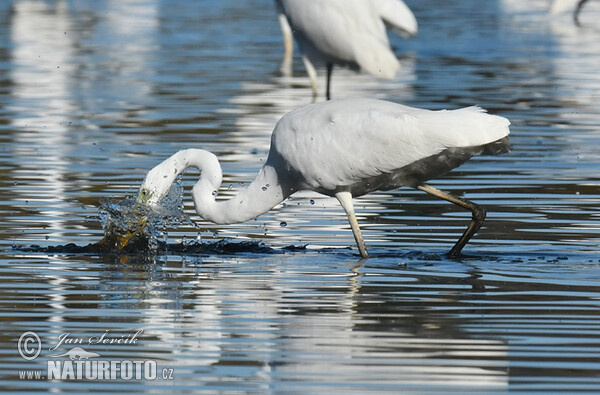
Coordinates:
(561,6)
(344,148)
(347,32)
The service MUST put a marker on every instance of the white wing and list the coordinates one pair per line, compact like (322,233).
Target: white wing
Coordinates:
(396,14)
(343,142)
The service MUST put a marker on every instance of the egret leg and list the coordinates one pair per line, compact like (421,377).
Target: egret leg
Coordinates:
(312,74)
(329,71)
(478,216)
(345,199)
(288,42)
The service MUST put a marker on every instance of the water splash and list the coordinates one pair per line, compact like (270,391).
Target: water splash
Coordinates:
(134,228)
(130,225)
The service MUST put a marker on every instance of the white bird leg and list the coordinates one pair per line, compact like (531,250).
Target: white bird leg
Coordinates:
(345,199)
(478,216)
(312,74)
(288,43)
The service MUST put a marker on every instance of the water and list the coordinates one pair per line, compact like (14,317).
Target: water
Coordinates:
(94,94)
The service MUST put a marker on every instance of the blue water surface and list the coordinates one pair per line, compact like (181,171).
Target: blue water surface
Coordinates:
(94,94)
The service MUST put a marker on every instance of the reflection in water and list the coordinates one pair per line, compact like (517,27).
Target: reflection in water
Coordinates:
(41,47)
(258,107)
(295,321)
(56,94)
(279,320)
(570,54)
(574,71)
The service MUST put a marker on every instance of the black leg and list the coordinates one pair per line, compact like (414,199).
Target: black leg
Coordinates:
(329,71)
(478,216)
(578,10)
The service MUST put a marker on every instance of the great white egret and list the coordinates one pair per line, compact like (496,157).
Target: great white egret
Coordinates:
(560,6)
(347,32)
(344,148)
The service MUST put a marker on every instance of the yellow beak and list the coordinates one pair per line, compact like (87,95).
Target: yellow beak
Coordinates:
(123,240)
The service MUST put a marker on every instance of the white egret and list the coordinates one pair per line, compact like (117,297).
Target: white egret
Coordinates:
(344,148)
(347,32)
(560,6)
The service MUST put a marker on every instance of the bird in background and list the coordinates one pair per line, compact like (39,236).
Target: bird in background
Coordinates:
(561,6)
(345,32)
(344,149)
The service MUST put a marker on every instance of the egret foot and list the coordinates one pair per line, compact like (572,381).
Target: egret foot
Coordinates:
(478,216)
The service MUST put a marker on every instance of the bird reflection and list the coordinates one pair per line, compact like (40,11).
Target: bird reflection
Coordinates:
(292,318)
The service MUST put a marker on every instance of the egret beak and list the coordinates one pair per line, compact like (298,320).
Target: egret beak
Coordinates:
(135,225)
(123,240)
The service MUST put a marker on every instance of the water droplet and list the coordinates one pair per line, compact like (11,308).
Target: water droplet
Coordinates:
(284,204)
(230,187)
(264,188)
(312,201)
(214,193)
(216,234)
(283,224)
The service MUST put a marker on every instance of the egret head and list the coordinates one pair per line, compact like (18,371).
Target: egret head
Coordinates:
(156,186)
(131,219)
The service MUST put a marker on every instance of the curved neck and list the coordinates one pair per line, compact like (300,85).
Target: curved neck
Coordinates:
(260,196)
(264,193)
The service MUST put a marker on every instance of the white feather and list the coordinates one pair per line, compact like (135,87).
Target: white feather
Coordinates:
(348,32)
(396,14)
(342,142)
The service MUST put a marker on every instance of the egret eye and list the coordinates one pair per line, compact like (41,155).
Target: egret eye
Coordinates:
(144,196)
